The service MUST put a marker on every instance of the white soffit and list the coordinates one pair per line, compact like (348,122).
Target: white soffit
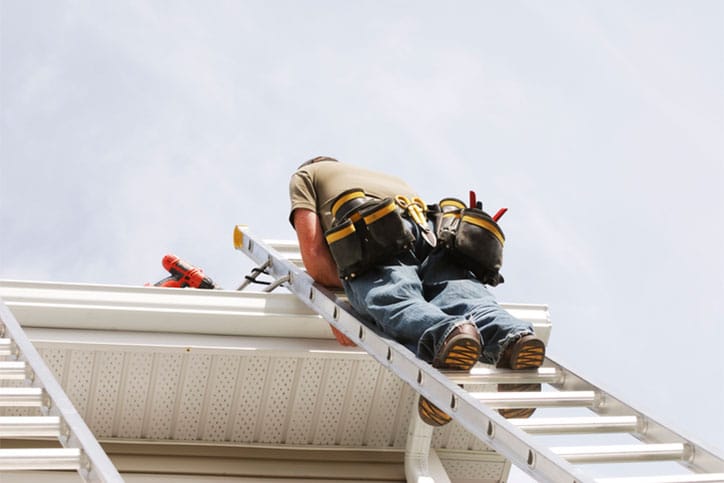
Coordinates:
(226,367)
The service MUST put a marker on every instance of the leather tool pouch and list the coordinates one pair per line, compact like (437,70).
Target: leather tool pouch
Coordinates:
(386,232)
(345,244)
(448,220)
(473,239)
(376,234)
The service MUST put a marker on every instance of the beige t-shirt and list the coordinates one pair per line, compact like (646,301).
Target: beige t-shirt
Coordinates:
(314,187)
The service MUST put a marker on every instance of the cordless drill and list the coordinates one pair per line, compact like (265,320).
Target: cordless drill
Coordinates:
(183,274)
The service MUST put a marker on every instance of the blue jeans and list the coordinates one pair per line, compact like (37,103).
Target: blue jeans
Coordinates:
(419,303)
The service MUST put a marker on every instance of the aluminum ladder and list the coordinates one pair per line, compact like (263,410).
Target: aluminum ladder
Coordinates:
(58,419)
(517,440)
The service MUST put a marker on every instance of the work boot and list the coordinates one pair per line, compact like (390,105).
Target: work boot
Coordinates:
(528,352)
(460,351)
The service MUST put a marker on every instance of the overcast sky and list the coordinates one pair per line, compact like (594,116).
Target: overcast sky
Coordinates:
(134,129)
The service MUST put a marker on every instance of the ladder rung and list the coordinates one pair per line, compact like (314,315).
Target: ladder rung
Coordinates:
(578,425)
(536,399)
(6,347)
(39,459)
(688,478)
(21,397)
(29,426)
(13,370)
(625,453)
(484,375)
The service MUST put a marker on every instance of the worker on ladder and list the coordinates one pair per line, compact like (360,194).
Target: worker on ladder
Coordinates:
(417,273)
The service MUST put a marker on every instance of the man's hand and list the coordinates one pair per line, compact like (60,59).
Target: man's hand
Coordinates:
(341,338)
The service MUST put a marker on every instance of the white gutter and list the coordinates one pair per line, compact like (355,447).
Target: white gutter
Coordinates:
(176,310)
(157,309)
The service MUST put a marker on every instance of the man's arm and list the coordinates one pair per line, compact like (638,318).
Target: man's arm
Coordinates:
(315,252)
(316,257)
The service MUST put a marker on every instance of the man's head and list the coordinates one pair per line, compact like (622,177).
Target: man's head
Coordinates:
(318,159)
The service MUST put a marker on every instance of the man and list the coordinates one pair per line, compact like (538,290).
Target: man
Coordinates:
(362,231)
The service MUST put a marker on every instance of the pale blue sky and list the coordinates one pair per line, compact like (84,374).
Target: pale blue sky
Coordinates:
(132,129)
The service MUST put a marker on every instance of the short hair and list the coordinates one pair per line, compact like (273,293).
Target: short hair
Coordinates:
(317,160)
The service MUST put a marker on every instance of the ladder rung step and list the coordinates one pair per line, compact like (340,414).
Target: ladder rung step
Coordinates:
(688,478)
(21,397)
(6,347)
(578,425)
(625,453)
(536,399)
(485,375)
(29,426)
(39,459)
(13,370)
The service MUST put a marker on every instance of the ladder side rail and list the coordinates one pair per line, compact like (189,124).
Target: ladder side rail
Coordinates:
(481,421)
(697,457)
(99,466)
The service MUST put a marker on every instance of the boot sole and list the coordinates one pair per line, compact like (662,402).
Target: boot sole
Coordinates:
(461,353)
(529,354)
(431,414)
(518,413)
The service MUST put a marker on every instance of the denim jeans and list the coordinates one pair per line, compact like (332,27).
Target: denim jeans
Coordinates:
(418,303)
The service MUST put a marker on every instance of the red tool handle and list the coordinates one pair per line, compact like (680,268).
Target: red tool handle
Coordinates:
(500,213)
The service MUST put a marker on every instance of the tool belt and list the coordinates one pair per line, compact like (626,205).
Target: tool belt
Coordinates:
(472,238)
(365,232)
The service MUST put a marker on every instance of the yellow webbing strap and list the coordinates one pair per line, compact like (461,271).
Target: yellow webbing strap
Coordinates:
(344,199)
(377,214)
(341,233)
(452,202)
(485,225)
